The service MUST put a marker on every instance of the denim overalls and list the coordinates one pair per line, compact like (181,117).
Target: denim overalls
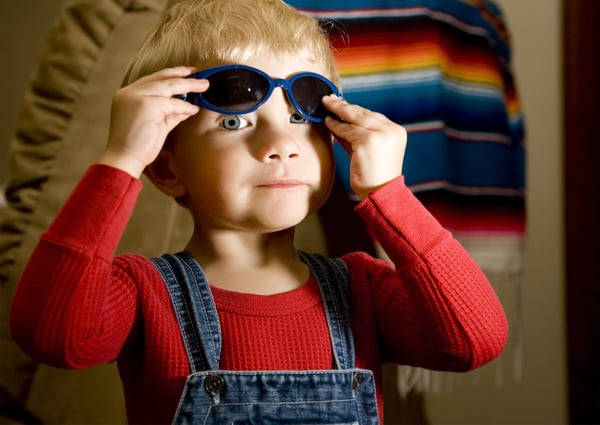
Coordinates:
(345,395)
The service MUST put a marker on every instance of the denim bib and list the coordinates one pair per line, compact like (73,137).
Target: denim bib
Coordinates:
(344,395)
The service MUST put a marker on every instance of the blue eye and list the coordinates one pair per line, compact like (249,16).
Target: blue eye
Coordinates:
(233,122)
(296,118)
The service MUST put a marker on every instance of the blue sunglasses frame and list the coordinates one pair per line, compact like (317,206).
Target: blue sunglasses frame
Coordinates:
(273,83)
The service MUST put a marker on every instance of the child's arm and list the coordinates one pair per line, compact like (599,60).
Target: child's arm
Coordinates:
(75,304)
(436,308)
(70,308)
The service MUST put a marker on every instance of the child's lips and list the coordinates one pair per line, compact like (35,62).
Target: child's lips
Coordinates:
(282,184)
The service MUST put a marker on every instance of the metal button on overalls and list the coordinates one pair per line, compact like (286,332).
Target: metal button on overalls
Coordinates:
(344,395)
(214,384)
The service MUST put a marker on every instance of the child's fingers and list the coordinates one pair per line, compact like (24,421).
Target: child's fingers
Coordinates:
(178,86)
(173,72)
(175,118)
(170,82)
(353,114)
(343,110)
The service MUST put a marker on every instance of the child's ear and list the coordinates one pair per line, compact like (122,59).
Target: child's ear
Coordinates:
(162,175)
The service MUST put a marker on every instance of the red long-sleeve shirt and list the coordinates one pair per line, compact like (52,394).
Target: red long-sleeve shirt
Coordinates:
(78,305)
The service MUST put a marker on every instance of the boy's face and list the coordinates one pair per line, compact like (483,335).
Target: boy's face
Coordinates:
(263,171)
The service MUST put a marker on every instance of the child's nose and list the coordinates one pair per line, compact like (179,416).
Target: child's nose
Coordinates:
(276,136)
(276,143)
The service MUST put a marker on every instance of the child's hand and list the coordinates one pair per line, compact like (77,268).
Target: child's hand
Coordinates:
(375,144)
(143,114)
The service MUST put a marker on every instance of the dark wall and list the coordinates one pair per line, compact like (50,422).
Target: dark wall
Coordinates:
(582,189)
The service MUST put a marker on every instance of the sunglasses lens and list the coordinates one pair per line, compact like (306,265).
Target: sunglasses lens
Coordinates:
(236,90)
(308,92)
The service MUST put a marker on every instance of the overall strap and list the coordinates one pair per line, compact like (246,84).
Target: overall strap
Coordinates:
(333,279)
(199,322)
(195,309)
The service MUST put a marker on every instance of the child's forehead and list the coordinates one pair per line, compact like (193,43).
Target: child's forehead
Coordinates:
(275,65)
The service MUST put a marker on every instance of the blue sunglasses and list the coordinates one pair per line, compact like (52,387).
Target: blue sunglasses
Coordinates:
(241,89)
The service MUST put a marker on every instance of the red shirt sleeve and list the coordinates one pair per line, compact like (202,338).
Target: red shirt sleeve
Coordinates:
(63,308)
(435,309)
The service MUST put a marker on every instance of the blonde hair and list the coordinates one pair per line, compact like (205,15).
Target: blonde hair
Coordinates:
(205,33)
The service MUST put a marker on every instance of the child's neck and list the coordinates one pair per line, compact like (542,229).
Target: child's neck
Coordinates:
(263,264)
